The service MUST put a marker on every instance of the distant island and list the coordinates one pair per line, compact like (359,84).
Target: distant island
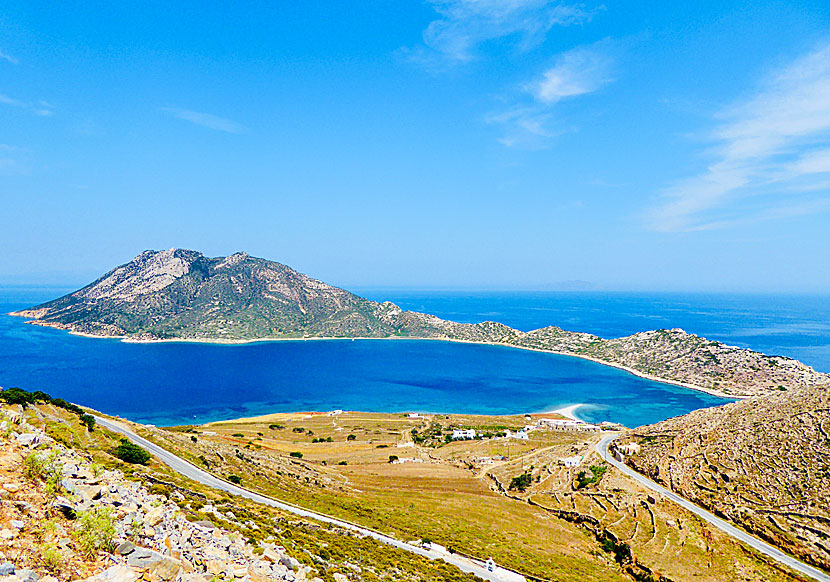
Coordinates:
(182,295)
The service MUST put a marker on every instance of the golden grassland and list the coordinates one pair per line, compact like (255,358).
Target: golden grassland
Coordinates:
(457,494)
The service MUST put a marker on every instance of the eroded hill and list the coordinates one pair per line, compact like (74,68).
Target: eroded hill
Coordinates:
(762,462)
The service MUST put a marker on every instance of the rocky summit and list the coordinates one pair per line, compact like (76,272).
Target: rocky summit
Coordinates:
(182,294)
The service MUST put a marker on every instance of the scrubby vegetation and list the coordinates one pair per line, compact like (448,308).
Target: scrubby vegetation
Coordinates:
(24,398)
(131,453)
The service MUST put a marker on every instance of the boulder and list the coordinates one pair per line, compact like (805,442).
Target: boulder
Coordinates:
(125,548)
(165,570)
(118,573)
(143,558)
(66,507)
(6,569)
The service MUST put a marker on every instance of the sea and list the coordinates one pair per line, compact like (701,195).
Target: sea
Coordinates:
(188,383)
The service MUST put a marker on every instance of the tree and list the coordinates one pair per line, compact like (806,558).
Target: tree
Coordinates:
(130,453)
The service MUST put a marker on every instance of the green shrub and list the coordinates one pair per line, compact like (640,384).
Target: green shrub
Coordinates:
(583,480)
(351,437)
(131,453)
(521,482)
(160,489)
(235,479)
(393,458)
(89,421)
(44,467)
(238,435)
(296,454)
(95,530)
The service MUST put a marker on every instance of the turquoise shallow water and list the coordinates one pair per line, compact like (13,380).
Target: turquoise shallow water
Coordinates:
(175,383)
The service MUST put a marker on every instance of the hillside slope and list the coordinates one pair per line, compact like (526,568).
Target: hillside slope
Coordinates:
(762,462)
(181,294)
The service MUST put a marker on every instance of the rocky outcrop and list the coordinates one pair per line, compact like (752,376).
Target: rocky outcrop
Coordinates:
(150,540)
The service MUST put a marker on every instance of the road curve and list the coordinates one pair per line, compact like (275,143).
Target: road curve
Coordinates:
(739,534)
(191,471)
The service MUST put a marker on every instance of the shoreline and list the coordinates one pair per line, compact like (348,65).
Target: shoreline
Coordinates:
(569,411)
(233,342)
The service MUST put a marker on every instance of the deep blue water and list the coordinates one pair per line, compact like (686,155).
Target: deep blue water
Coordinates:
(174,383)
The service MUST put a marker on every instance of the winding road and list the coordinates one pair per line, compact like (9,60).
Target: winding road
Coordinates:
(193,472)
(753,542)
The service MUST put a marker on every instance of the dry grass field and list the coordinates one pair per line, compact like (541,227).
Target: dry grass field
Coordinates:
(458,493)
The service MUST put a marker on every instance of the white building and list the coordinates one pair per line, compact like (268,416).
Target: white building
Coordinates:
(414,415)
(459,434)
(567,424)
(520,435)
(571,461)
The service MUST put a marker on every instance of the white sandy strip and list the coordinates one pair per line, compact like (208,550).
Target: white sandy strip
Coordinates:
(569,411)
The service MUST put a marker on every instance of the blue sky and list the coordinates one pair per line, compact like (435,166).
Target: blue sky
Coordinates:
(475,144)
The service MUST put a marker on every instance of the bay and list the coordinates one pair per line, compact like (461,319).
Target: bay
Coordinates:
(178,383)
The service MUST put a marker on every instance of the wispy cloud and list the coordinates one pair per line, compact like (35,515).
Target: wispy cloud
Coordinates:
(206,120)
(577,72)
(41,108)
(464,25)
(7,57)
(770,156)
(13,160)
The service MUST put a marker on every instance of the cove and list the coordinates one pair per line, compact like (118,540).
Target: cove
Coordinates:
(184,383)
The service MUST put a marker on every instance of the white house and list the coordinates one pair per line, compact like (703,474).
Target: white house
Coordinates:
(459,434)
(520,435)
(571,461)
(414,415)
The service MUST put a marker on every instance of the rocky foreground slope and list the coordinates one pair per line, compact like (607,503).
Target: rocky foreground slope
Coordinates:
(763,462)
(181,294)
(62,530)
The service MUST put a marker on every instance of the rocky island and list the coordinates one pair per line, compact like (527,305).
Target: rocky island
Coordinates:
(181,294)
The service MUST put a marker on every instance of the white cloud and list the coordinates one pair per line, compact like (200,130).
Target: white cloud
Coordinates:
(7,57)
(576,72)
(206,120)
(464,25)
(771,155)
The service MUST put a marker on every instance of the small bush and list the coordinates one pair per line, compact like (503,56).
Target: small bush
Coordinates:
(160,489)
(393,458)
(44,467)
(296,454)
(351,437)
(238,435)
(342,463)
(131,453)
(194,439)
(276,426)
(521,482)
(235,479)
(95,530)
(50,558)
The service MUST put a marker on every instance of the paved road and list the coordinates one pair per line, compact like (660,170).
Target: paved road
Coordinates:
(755,543)
(193,472)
